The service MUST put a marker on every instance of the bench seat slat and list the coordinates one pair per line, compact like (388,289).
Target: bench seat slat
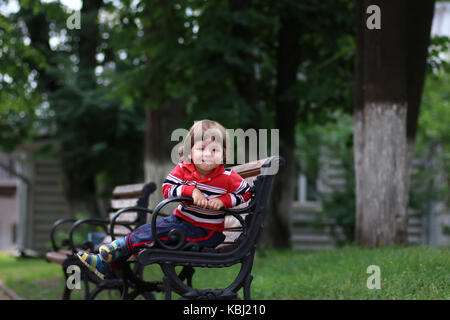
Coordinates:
(55,257)
(58,256)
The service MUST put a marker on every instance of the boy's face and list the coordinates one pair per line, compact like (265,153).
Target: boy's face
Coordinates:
(206,155)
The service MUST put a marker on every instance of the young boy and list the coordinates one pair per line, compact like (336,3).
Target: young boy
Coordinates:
(202,176)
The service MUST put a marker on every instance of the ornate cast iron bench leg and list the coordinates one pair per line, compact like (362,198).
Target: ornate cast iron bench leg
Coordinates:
(247,284)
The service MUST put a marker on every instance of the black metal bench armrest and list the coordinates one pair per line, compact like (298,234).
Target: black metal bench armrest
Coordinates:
(123,223)
(94,221)
(104,224)
(55,227)
(176,235)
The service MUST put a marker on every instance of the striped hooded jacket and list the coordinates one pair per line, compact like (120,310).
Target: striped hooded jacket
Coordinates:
(221,183)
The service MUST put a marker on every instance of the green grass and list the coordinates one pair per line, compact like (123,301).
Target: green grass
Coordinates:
(31,278)
(406,273)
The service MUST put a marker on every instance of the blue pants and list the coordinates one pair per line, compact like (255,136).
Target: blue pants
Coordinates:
(143,234)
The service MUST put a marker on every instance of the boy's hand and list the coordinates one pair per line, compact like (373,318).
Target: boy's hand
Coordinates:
(215,204)
(199,199)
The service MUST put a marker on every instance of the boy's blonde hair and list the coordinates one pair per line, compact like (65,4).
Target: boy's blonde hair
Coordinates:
(204,130)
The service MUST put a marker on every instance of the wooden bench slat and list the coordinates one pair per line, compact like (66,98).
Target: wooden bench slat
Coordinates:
(55,257)
(117,204)
(121,230)
(250,169)
(128,216)
(128,191)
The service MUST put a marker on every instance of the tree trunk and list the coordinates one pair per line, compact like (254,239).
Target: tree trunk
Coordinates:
(383,97)
(277,224)
(89,39)
(81,190)
(158,147)
(420,19)
(383,175)
(245,79)
(160,120)
(358,137)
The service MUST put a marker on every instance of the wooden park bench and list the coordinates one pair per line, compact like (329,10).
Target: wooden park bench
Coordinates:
(242,227)
(118,224)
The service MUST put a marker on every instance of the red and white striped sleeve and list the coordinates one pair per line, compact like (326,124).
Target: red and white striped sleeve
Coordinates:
(174,185)
(239,191)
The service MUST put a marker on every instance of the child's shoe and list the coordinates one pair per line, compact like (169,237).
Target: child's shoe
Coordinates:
(113,251)
(95,264)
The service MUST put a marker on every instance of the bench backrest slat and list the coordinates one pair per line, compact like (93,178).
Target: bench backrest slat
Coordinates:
(128,191)
(117,204)
(250,169)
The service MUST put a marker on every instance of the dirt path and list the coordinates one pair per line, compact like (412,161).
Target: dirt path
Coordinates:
(7,294)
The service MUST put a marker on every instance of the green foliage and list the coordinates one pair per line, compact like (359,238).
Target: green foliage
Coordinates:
(48,93)
(431,181)
(17,85)
(195,51)
(327,68)
(200,52)
(439,46)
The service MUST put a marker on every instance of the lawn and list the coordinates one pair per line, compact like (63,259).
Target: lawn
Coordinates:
(405,273)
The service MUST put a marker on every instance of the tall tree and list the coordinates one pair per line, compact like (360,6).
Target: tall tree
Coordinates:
(165,113)
(312,52)
(81,188)
(389,72)
(244,74)
(288,61)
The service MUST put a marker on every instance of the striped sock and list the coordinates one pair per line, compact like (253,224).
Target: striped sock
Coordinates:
(113,251)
